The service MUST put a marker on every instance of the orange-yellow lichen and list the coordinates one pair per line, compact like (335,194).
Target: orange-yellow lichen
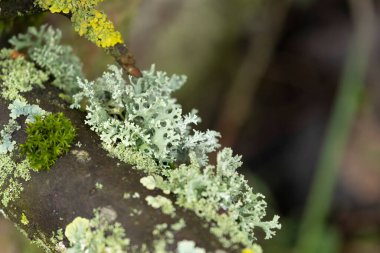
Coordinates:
(66,6)
(87,21)
(96,27)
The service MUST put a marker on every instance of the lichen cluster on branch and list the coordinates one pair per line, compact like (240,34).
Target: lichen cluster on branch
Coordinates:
(18,75)
(87,21)
(143,116)
(100,234)
(140,123)
(56,60)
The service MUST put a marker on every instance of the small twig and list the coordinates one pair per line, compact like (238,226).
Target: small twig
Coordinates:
(126,60)
(121,55)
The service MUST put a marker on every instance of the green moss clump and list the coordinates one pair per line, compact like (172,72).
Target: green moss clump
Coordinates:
(48,138)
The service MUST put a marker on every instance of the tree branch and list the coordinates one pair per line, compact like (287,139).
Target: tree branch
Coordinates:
(52,199)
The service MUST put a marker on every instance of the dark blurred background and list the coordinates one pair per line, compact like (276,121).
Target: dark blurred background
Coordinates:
(267,75)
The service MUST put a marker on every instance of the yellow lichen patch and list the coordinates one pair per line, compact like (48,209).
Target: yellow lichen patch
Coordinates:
(66,6)
(87,21)
(24,219)
(247,251)
(96,27)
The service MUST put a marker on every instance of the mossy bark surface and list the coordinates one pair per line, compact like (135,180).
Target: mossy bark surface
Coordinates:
(53,198)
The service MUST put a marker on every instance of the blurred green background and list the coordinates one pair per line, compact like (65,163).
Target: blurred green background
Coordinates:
(293,86)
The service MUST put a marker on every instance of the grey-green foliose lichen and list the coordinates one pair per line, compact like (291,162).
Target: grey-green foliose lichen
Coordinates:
(219,194)
(141,124)
(99,234)
(12,175)
(163,203)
